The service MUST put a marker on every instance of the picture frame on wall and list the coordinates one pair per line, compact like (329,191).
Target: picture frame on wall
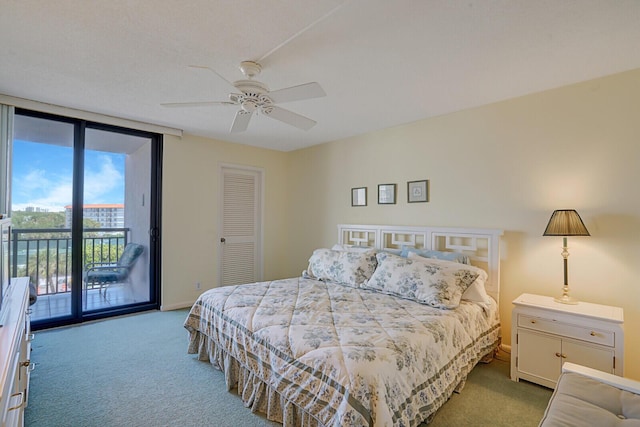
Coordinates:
(359,196)
(418,191)
(387,194)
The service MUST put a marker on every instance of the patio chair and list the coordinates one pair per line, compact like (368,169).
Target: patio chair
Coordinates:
(104,274)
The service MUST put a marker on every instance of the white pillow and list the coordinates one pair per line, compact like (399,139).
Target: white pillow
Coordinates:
(476,292)
(432,282)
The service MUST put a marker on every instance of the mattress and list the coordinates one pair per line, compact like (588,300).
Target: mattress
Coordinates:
(343,356)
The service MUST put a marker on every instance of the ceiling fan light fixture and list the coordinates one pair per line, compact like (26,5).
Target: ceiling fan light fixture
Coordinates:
(249,106)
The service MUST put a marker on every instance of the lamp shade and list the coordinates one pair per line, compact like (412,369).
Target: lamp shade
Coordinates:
(565,222)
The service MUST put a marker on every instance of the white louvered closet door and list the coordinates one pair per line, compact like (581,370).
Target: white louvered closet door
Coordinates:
(240,242)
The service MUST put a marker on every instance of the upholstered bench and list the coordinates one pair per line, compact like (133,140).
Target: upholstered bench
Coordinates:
(587,397)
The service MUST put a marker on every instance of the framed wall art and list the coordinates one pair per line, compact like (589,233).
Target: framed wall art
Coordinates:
(387,194)
(359,196)
(418,191)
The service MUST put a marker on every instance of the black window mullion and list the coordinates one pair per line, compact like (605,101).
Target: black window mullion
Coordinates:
(77,217)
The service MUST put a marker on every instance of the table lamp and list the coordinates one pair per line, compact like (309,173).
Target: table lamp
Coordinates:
(565,222)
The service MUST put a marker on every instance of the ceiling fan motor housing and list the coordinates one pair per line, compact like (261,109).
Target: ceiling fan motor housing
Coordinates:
(253,97)
(251,86)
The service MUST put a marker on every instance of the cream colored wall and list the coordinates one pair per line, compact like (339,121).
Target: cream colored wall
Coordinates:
(190,239)
(507,165)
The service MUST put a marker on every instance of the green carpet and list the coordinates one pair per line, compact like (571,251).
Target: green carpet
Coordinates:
(135,371)
(490,398)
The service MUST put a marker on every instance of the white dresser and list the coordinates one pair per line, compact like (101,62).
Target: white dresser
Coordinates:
(545,334)
(15,349)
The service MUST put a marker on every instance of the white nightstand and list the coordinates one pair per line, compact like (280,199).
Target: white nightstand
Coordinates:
(545,334)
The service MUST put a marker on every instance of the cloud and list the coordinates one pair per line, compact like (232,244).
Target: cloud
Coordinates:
(99,184)
(53,191)
(42,189)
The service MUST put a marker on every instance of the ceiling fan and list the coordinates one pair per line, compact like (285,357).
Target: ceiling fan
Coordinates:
(253,96)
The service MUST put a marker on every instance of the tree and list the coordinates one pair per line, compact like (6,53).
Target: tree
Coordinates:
(48,254)
(51,265)
(23,219)
(31,220)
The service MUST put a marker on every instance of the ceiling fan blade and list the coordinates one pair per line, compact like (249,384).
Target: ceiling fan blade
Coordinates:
(196,104)
(241,121)
(297,93)
(231,86)
(289,117)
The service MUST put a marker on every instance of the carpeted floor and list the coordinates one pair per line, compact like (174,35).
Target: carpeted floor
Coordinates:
(135,371)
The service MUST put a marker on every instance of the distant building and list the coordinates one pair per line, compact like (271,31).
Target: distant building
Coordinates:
(108,215)
(35,209)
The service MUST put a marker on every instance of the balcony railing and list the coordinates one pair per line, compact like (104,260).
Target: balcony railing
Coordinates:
(44,254)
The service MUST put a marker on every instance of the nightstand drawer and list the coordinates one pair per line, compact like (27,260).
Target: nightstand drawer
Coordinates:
(572,331)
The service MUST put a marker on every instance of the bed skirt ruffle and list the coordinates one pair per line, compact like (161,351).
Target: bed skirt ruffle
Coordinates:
(255,394)
(259,397)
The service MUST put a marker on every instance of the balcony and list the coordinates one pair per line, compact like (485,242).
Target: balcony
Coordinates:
(45,256)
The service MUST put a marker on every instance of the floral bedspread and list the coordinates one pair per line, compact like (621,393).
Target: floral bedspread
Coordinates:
(347,356)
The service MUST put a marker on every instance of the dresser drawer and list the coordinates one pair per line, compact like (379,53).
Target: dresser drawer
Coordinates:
(566,330)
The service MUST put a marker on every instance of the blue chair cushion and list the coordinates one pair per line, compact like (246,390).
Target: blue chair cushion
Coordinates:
(106,275)
(131,252)
(110,273)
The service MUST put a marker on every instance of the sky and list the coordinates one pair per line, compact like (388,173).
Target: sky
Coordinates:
(42,176)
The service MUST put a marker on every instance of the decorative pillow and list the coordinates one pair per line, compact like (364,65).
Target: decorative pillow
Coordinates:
(428,281)
(476,291)
(428,253)
(346,267)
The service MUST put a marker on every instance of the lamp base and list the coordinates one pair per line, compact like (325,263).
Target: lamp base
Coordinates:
(566,299)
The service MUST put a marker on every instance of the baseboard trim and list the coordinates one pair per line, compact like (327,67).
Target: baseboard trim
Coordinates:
(177,306)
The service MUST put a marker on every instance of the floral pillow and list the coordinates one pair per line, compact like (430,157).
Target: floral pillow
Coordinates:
(476,292)
(432,282)
(345,267)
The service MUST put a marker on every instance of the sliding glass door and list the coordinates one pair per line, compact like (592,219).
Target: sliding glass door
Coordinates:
(42,177)
(85,217)
(116,221)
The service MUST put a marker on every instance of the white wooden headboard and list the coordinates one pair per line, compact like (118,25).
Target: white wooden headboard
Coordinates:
(481,245)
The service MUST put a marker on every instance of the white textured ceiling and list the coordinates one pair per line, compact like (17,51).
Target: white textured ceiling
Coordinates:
(382,63)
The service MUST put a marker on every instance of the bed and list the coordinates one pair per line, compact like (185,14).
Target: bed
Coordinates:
(352,341)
